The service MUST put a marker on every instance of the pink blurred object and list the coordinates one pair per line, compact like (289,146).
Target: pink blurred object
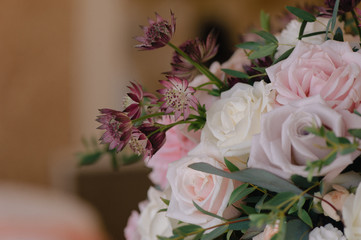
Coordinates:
(28,213)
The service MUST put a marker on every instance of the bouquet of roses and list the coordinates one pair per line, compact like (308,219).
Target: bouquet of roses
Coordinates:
(263,146)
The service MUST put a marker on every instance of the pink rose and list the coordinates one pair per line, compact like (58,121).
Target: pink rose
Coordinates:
(209,191)
(331,70)
(283,147)
(177,145)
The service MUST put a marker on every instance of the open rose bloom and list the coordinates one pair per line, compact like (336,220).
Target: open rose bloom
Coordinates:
(265,145)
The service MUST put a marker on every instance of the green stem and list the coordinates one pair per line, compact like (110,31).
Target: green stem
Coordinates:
(168,126)
(354,16)
(148,116)
(205,84)
(200,67)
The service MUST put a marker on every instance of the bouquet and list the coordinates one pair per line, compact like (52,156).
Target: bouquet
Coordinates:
(263,146)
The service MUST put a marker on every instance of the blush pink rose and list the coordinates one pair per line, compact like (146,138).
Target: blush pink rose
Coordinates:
(283,147)
(330,69)
(209,191)
(177,145)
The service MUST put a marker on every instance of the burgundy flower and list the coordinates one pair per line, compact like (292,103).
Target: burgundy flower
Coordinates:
(157,34)
(133,108)
(177,97)
(198,51)
(117,127)
(142,145)
(157,139)
(345,5)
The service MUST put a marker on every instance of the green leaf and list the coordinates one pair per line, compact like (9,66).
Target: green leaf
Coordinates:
(355,132)
(302,182)
(207,213)
(313,34)
(239,193)
(303,215)
(338,35)
(187,229)
(277,200)
(304,15)
(330,158)
(265,21)
(247,209)
(231,167)
(260,69)
(297,230)
(215,233)
(235,73)
(258,177)
(166,201)
(284,55)
(302,29)
(348,150)
(249,45)
(215,92)
(260,219)
(90,158)
(264,51)
(267,36)
(259,204)
(242,225)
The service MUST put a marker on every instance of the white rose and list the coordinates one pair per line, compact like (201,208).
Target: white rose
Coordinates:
(351,214)
(209,191)
(235,118)
(289,36)
(151,222)
(327,232)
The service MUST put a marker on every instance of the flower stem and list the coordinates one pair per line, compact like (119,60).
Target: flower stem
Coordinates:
(148,116)
(200,67)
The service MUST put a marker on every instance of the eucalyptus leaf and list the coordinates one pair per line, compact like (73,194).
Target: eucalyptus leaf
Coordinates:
(231,167)
(243,224)
(303,215)
(207,213)
(297,230)
(187,229)
(263,51)
(355,132)
(258,177)
(338,35)
(215,233)
(90,158)
(249,45)
(235,73)
(300,13)
(284,55)
(267,36)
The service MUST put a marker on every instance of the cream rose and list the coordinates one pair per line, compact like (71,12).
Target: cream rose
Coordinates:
(209,191)
(337,199)
(351,214)
(327,232)
(284,147)
(235,118)
(152,222)
(331,70)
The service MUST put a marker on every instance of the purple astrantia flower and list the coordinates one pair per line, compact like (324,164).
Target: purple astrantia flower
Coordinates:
(141,144)
(177,97)
(133,105)
(118,128)
(345,5)
(157,34)
(198,51)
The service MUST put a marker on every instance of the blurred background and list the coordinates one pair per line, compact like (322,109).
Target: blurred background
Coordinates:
(60,61)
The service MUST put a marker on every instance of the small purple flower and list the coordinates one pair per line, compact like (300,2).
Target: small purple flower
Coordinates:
(157,34)
(136,95)
(118,128)
(177,97)
(141,144)
(345,5)
(198,51)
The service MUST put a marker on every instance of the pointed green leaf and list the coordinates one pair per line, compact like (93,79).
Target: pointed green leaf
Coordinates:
(206,212)
(235,73)
(215,233)
(249,45)
(264,51)
(267,36)
(303,215)
(304,15)
(284,55)
(297,230)
(258,177)
(231,167)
